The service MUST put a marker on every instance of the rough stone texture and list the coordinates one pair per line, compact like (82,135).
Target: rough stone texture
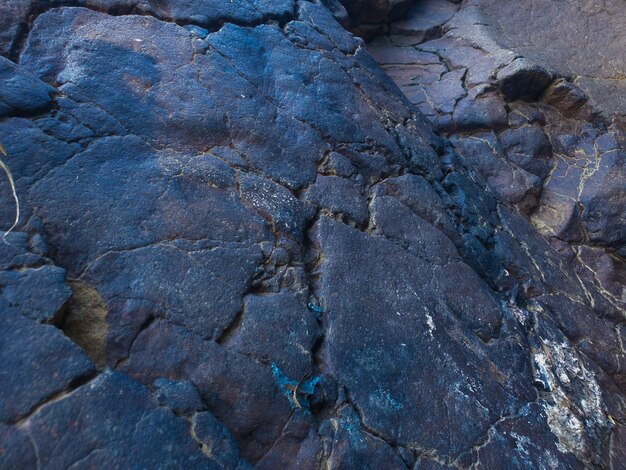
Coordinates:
(370,17)
(21,92)
(241,244)
(586,43)
(522,80)
(20,14)
(111,421)
(524,120)
(30,373)
(21,289)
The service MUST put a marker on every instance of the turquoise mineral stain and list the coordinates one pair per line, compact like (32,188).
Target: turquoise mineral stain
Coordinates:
(287,386)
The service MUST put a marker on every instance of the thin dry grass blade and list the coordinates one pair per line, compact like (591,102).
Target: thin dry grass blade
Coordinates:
(12,183)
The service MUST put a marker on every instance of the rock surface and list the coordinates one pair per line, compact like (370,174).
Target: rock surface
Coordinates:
(242,245)
(534,136)
(585,44)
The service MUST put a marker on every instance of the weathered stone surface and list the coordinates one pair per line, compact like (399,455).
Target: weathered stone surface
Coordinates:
(217,441)
(198,285)
(359,337)
(510,182)
(565,96)
(205,13)
(22,290)
(241,244)
(180,397)
(21,92)
(445,93)
(286,213)
(529,147)
(545,157)
(354,448)
(30,373)
(480,110)
(112,421)
(299,445)
(32,292)
(527,444)
(555,139)
(17,449)
(397,222)
(585,43)
(241,392)
(370,17)
(262,317)
(339,195)
(338,10)
(422,199)
(523,80)
(424,21)
(604,199)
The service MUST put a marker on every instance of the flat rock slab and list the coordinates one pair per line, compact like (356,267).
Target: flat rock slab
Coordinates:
(112,421)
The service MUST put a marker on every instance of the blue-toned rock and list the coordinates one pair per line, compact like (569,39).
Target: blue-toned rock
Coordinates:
(30,374)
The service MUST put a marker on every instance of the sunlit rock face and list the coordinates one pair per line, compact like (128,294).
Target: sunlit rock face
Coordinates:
(523,114)
(586,44)
(248,239)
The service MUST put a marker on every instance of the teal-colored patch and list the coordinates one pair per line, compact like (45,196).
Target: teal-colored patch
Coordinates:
(315,308)
(197,31)
(352,426)
(306,388)
(391,402)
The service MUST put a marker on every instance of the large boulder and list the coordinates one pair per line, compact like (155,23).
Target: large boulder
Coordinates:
(240,244)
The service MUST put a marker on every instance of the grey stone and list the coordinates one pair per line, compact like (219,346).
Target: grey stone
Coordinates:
(181,397)
(523,80)
(263,316)
(284,262)
(528,147)
(480,110)
(22,93)
(112,421)
(30,375)
(37,293)
(339,195)
(560,46)
(508,181)
(564,96)
(423,21)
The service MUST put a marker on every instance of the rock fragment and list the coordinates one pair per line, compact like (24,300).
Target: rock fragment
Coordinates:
(523,80)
